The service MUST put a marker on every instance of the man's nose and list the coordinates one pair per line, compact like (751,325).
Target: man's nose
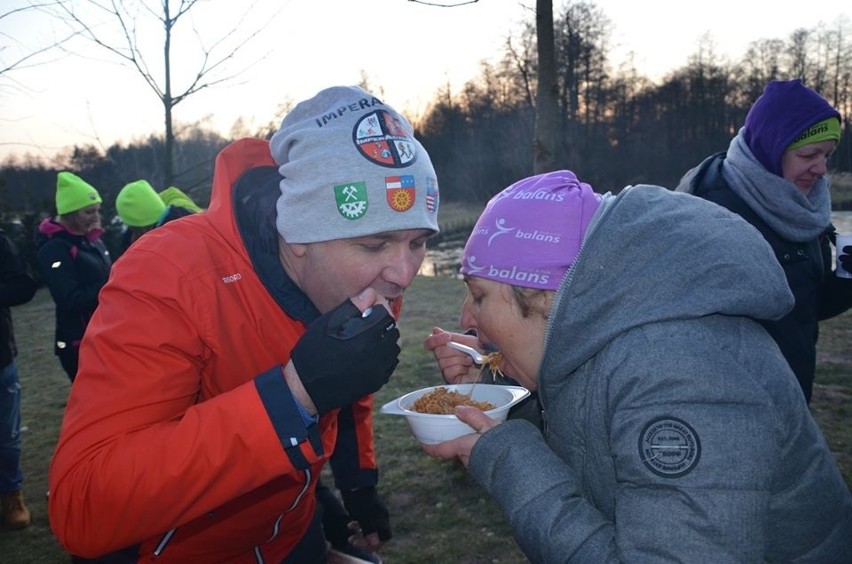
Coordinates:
(403,268)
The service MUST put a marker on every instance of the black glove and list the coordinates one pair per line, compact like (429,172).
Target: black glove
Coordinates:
(369,510)
(846,258)
(342,356)
(335,519)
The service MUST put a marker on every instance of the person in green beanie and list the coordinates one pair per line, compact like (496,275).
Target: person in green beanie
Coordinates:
(173,196)
(142,209)
(74,263)
(138,205)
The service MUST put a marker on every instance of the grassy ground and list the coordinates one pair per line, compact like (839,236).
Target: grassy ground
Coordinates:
(439,514)
(841,191)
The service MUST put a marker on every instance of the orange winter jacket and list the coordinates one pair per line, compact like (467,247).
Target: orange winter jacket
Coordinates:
(181,441)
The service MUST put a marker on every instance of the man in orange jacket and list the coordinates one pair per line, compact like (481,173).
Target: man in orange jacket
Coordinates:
(233,353)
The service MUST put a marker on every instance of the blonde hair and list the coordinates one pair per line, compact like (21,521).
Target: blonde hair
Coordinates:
(532,301)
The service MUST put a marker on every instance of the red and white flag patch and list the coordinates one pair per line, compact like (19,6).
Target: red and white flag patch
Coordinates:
(400,192)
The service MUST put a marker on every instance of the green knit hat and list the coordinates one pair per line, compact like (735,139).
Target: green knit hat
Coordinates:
(73,193)
(138,205)
(172,196)
(825,130)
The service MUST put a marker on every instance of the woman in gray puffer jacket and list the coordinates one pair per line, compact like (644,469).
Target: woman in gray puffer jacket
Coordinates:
(674,428)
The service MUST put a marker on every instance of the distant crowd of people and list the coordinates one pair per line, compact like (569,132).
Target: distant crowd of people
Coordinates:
(668,337)
(74,265)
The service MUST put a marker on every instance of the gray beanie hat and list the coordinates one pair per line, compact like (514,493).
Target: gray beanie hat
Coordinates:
(351,167)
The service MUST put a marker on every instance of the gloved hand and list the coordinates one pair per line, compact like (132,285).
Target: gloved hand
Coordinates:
(846,258)
(366,507)
(342,356)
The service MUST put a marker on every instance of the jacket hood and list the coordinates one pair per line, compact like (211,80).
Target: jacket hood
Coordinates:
(49,228)
(232,163)
(243,209)
(653,255)
(705,169)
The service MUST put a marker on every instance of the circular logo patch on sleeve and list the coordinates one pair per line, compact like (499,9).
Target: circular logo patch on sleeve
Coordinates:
(669,447)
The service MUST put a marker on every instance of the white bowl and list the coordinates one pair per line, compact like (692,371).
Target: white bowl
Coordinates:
(431,429)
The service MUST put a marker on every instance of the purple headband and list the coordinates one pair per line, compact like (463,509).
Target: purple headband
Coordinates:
(531,232)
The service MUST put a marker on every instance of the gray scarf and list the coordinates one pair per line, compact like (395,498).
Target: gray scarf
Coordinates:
(776,200)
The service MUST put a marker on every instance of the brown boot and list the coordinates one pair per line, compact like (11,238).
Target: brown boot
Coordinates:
(15,512)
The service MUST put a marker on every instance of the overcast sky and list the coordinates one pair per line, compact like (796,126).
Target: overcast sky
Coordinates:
(409,50)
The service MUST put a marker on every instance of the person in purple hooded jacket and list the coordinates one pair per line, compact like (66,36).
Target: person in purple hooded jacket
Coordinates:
(774,175)
(74,263)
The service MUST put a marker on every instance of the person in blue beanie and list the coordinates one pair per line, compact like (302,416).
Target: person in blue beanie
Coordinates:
(774,175)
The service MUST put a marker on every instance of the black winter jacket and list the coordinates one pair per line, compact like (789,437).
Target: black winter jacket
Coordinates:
(16,287)
(818,292)
(74,267)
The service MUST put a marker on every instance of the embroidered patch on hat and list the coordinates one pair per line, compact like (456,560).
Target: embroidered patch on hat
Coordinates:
(431,195)
(400,192)
(383,140)
(669,447)
(351,199)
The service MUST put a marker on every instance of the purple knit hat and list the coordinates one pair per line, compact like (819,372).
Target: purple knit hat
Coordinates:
(531,232)
(784,110)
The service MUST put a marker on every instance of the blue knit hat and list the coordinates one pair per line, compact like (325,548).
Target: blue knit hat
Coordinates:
(785,110)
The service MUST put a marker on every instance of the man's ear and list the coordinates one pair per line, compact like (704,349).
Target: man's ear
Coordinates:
(297,250)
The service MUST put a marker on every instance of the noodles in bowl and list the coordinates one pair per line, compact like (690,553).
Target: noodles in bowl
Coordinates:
(432,428)
(441,401)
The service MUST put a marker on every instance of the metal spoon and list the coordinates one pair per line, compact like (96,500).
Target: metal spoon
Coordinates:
(474,354)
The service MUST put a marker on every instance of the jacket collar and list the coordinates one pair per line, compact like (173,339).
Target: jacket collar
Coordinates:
(255,197)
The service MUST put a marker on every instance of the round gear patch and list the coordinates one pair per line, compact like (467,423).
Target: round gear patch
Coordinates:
(669,447)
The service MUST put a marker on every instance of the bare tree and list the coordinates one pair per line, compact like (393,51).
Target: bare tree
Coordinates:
(520,63)
(451,4)
(797,52)
(26,55)
(547,93)
(21,49)
(116,27)
(582,33)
